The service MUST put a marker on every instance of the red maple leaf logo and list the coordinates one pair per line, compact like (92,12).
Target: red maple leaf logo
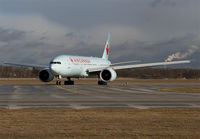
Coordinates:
(107,49)
(71,60)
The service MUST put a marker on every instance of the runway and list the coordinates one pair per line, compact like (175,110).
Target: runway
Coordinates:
(94,96)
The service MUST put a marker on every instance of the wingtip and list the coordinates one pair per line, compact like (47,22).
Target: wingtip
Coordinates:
(188,61)
(183,61)
(4,62)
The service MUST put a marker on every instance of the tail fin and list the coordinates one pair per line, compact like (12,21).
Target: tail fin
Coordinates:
(107,47)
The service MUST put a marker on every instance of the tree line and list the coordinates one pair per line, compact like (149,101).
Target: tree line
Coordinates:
(139,73)
(160,73)
(18,72)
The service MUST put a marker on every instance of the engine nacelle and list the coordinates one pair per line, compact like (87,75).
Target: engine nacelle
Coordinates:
(45,75)
(108,75)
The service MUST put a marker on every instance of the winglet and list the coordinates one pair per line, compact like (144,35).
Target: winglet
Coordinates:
(107,48)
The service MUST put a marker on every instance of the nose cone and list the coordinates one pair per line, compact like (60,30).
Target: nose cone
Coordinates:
(56,65)
(54,68)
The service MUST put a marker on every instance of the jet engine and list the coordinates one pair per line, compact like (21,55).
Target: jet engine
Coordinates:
(108,75)
(45,75)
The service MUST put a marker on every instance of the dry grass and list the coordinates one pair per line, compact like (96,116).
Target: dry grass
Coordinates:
(119,81)
(125,123)
(182,90)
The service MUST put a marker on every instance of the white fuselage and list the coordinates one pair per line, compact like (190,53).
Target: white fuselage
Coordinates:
(76,66)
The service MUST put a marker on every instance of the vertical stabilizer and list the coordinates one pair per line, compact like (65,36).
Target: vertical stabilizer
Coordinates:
(107,48)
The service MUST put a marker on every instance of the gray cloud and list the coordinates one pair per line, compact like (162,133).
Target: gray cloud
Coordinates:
(10,34)
(156,51)
(71,35)
(147,51)
(35,31)
(157,3)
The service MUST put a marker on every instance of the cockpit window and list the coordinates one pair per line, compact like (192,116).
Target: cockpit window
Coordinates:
(55,62)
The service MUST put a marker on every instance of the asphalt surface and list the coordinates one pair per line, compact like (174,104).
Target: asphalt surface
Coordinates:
(94,96)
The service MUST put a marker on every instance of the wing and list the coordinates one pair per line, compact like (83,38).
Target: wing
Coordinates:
(138,65)
(124,62)
(149,64)
(96,69)
(26,65)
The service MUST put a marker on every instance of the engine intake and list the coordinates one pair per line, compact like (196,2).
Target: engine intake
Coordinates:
(46,75)
(108,75)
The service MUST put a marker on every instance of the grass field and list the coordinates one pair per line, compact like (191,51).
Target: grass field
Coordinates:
(181,90)
(119,123)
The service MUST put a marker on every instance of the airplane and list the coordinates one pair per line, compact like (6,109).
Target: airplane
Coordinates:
(69,66)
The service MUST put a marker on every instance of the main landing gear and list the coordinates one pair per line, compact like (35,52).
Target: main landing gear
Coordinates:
(68,82)
(102,83)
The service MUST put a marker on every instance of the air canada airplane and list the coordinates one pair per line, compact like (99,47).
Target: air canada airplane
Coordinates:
(68,66)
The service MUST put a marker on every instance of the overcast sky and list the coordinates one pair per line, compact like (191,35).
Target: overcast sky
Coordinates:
(34,31)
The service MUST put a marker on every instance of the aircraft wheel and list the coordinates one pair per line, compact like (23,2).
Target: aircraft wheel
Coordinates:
(102,83)
(58,82)
(69,83)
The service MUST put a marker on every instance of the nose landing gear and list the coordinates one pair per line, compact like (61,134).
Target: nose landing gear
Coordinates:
(58,82)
